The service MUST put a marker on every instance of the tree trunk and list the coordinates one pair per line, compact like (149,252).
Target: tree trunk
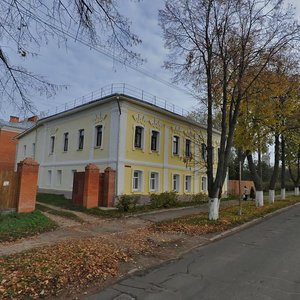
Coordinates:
(259,197)
(275,170)
(282,168)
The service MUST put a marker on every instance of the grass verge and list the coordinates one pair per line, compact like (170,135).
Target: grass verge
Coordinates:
(14,226)
(199,224)
(61,201)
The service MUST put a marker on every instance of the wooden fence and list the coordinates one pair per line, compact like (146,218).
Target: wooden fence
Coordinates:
(8,190)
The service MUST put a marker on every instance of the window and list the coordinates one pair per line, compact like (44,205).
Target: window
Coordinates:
(52,144)
(59,177)
(137,181)
(98,137)
(49,177)
(138,137)
(203,151)
(176,145)
(154,140)
(33,150)
(24,150)
(154,178)
(81,139)
(203,184)
(176,183)
(66,141)
(188,149)
(188,183)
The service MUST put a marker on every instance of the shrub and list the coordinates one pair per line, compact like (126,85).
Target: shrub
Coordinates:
(127,202)
(166,199)
(200,197)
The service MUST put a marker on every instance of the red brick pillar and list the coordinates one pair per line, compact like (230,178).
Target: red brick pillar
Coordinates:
(28,170)
(109,187)
(91,186)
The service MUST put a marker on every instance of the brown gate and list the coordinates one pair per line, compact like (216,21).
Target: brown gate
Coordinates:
(8,190)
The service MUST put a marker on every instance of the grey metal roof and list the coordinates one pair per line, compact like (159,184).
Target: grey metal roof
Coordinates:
(21,125)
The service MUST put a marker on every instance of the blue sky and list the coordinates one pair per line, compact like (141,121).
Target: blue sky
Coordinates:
(84,70)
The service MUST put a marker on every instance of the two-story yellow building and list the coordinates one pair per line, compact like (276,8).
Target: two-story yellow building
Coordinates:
(151,148)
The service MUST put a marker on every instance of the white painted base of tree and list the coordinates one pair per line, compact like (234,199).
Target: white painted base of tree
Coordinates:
(282,194)
(296,191)
(259,199)
(213,208)
(271,196)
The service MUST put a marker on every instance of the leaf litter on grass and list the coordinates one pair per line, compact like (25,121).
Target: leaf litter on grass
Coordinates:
(71,265)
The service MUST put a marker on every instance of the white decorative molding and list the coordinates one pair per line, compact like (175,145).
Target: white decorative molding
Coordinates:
(53,130)
(99,118)
(155,123)
(141,119)
(177,129)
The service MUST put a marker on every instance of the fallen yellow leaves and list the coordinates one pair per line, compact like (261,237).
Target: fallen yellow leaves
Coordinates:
(69,265)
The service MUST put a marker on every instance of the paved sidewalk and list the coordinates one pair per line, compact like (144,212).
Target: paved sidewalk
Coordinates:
(100,226)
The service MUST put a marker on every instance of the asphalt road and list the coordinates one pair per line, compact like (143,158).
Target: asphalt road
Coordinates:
(261,262)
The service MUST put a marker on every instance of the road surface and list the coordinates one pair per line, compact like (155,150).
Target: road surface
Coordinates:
(261,262)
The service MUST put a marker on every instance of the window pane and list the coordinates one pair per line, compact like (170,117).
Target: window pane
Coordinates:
(99,135)
(66,141)
(154,140)
(81,139)
(138,137)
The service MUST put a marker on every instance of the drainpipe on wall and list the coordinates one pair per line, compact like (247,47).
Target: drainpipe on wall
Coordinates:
(118,145)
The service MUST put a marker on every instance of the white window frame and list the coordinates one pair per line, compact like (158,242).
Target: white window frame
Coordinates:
(58,177)
(203,179)
(156,189)
(52,144)
(64,141)
(140,181)
(185,154)
(80,130)
(177,182)
(95,136)
(188,190)
(49,177)
(158,141)
(142,139)
(179,138)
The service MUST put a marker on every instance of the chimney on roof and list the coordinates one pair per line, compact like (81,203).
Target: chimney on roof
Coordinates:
(33,119)
(14,119)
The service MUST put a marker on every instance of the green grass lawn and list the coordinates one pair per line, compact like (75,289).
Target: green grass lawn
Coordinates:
(229,218)
(14,226)
(61,201)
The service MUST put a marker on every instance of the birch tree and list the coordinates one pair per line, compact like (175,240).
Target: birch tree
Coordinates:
(220,48)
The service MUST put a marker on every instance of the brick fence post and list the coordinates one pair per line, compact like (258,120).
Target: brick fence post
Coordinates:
(109,187)
(28,170)
(91,186)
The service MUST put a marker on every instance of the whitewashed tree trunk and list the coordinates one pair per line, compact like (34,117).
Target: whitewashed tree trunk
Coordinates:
(283,194)
(296,191)
(214,204)
(259,198)
(271,196)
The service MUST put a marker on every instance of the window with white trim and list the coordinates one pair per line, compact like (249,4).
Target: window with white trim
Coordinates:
(49,177)
(66,141)
(154,140)
(176,144)
(188,184)
(176,182)
(138,137)
(73,173)
(59,177)
(52,144)
(188,148)
(33,150)
(80,139)
(154,179)
(24,150)
(204,184)
(203,152)
(137,181)
(98,135)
